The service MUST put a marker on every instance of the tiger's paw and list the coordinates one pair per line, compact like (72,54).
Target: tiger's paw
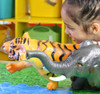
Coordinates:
(11,67)
(52,85)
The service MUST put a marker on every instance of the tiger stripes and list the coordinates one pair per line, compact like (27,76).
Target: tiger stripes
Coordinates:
(21,41)
(64,49)
(56,51)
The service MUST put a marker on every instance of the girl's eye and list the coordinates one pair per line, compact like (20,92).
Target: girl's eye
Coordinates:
(70,28)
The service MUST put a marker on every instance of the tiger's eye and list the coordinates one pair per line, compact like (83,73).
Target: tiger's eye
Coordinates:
(14,47)
(17,48)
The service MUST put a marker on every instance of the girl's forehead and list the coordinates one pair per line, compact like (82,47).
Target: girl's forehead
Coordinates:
(66,6)
(70,10)
(66,17)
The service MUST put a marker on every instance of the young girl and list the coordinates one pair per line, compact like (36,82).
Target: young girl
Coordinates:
(82,20)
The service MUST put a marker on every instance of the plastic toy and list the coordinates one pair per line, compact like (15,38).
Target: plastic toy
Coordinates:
(84,62)
(17,50)
(17,47)
(6,33)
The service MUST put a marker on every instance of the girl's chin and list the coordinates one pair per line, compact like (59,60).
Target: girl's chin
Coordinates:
(74,40)
(77,41)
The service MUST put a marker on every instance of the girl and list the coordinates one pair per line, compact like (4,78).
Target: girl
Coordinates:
(82,21)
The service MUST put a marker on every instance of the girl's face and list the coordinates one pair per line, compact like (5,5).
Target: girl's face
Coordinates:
(74,30)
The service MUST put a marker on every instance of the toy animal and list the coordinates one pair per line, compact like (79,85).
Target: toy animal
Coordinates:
(17,47)
(84,62)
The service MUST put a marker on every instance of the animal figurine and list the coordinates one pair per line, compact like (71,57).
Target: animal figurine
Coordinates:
(84,62)
(17,47)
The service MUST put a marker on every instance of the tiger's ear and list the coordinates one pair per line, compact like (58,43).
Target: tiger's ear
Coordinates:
(22,47)
(26,35)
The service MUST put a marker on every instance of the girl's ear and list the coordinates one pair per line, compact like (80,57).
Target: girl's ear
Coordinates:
(95,28)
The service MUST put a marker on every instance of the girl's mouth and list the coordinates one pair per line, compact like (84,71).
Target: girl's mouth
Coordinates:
(76,40)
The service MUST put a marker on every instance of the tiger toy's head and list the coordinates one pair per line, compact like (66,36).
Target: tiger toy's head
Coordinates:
(16,48)
(16,51)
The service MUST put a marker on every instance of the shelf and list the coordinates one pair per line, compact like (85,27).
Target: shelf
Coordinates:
(10,19)
(40,20)
(22,20)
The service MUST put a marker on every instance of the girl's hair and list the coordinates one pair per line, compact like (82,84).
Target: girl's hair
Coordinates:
(87,11)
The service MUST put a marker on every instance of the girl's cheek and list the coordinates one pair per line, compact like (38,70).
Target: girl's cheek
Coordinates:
(66,31)
(72,34)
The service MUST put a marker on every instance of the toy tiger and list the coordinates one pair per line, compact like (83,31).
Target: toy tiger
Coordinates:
(17,47)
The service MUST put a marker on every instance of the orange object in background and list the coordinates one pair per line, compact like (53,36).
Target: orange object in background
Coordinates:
(44,24)
(6,33)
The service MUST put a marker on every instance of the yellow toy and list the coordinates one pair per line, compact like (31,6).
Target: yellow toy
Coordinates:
(17,50)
